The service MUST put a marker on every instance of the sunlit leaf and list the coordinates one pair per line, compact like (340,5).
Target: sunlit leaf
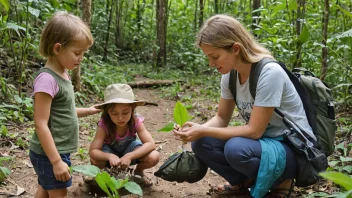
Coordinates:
(33,11)
(347,169)
(6,4)
(346,12)
(292,5)
(134,188)
(102,179)
(4,172)
(347,33)
(180,113)
(88,170)
(338,178)
(167,127)
(304,36)
(15,27)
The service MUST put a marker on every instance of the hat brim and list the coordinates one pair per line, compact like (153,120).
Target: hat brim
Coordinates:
(121,101)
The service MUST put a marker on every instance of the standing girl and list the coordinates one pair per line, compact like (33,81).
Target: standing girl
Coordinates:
(64,41)
(115,142)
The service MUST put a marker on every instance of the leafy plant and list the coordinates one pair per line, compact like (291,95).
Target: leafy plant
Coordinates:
(82,153)
(180,117)
(108,183)
(343,180)
(4,172)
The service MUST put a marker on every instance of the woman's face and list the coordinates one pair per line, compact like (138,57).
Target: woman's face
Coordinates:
(222,60)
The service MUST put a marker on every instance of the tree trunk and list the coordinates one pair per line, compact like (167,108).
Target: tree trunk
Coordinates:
(255,15)
(300,17)
(201,13)
(195,17)
(324,54)
(86,17)
(108,6)
(161,24)
(216,6)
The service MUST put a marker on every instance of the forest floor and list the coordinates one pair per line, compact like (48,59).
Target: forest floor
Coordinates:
(23,182)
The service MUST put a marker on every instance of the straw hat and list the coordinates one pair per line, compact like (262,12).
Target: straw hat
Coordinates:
(119,93)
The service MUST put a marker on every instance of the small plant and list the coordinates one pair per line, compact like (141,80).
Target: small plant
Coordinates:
(180,117)
(4,172)
(82,153)
(108,183)
(343,180)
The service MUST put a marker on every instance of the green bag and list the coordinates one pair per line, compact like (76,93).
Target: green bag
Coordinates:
(181,167)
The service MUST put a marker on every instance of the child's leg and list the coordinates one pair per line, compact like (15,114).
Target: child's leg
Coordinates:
(148,161)
(58,193)
(41,193)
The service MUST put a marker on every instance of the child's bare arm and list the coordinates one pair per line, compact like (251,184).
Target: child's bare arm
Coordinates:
(41,116)
(95,149)
(148,143)
(83,112)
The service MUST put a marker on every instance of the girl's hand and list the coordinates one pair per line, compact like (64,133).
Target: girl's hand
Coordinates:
(189,134)
(92,110)
(114,160)
(125,161)
(61,171)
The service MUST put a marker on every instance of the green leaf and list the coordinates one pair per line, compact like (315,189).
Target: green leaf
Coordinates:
(122,183)
(167,127)
(292,5)
(347,169)
(180,113)
(6,4)
(346,12)
(4,172)
(33,11)
(338,178)
(102,179)
(277,8)
(348,33)
(4,131)
(304,36)
(15,27)
(88,170)
(134,188)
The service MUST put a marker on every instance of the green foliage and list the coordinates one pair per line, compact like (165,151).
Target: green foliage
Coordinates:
(4,172)
(108,183)
(180,117)
(340,179)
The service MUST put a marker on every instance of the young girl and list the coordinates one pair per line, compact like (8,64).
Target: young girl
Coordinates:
(64,41)
(115,142)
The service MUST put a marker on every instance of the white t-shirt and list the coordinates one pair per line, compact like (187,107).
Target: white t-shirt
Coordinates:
(274,89)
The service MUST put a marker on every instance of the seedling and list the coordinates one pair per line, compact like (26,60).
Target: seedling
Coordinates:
(180,117)
(108,183)
(4,172)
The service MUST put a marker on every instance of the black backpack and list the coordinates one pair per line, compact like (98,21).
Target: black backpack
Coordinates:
(316,98)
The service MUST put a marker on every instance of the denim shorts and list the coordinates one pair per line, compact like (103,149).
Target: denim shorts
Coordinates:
(107,148)
(44,170)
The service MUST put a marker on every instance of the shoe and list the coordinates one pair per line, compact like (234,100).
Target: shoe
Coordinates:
(281,192)
(143,181)
(227,190)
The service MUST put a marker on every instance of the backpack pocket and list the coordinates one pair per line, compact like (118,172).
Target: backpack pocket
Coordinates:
(326,134)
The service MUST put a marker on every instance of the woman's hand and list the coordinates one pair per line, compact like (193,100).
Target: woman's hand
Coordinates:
(61,171)
(189,132)
(114,160)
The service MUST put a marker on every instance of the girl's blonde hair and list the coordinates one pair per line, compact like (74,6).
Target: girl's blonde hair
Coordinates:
(63,28)
(222,31)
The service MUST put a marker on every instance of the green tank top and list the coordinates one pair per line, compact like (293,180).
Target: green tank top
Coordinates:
(63,120)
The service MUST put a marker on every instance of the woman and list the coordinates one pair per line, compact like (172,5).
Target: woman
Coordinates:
(253,155)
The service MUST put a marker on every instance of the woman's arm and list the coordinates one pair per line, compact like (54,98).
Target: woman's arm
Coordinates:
(148,143)
(217,126)
(42,104)
(95,149)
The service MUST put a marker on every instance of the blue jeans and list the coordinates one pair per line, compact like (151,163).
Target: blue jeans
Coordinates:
(238,158)
(44,170)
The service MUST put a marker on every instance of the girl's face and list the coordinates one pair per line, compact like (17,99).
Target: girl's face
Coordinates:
(120,114)
(222,60)
(71,56)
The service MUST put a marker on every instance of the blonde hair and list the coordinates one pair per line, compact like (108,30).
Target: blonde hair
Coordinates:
(222,31)
(63,28)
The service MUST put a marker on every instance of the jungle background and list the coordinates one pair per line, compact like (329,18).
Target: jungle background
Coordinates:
(150,44)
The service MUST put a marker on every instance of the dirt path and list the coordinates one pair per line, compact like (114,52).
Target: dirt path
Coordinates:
(156,117)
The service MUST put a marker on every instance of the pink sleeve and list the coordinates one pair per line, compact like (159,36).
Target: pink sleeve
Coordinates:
(101,123)
(139,120)
(46,83)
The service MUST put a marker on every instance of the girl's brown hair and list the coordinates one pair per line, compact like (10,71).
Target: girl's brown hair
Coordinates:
(222,31)
(63,28)
(111,126)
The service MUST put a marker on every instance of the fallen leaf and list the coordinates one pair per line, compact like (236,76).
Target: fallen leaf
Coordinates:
(20,190)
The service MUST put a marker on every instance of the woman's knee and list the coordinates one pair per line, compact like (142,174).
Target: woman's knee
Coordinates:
(239,149)
(198,146)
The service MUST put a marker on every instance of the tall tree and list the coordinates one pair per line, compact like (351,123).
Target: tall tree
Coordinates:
(255,15)
(201,13)
(324,53)
(118,30)
(216,6)
(161,24)
(109,8)
(300,17)
(86,17)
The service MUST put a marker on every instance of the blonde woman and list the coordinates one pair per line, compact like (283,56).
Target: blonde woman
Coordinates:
(253,155)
